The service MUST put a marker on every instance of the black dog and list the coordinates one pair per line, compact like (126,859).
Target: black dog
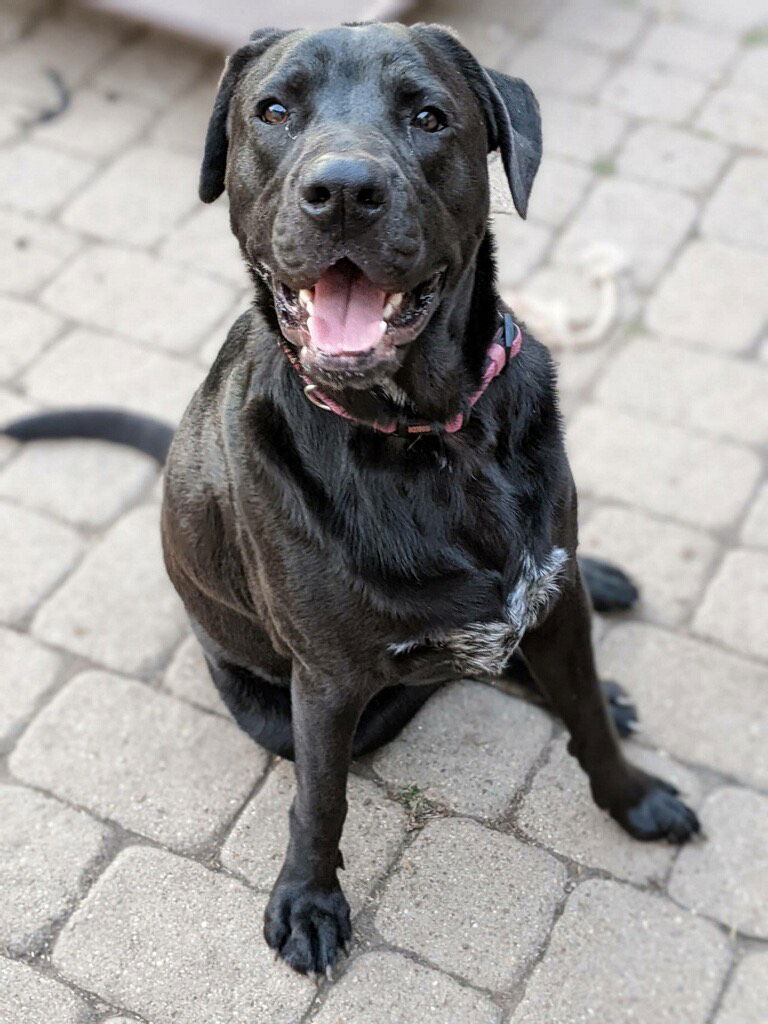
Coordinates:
(414,521)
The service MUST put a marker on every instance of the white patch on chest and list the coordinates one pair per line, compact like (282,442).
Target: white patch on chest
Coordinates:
(484,648)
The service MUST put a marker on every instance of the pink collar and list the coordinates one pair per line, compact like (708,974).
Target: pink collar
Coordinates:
(505,346)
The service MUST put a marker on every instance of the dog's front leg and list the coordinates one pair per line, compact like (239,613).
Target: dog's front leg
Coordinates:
(307,918)
(559,654)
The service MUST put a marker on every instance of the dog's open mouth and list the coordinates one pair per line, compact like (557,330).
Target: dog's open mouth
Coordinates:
(345,320)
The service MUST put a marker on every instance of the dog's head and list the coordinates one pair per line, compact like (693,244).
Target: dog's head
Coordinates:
(355,160)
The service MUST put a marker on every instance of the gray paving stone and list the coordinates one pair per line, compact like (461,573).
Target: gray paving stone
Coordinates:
(691,695)
(118,608)
(558,811)
(95,125)
(47,851)
(619,955)
(660,468)
(689,48)
(152,763)
(645,223)
(384,988)
(26,331)
(154,69)
(31,251)
(27,671)
(580,131)
(559,188)
(669,562)
(184,123)
(712,296)
(204,242)
(138,199)
(85,482)
(470,748)
(488,38)
(139,295)
(473,902)
(521,246)
(11,407)
(187,676)
(27,997)
(673,157)
(172,941)
(736,116)
(548,65)
(738,211)
(747,994)
(735,606)
(755,529)
(373,832)
(38,179)
(751,71)
(653,92)
(598,23)
(668,382)
(726,877)
(90,368)
(36,553)
(737,15)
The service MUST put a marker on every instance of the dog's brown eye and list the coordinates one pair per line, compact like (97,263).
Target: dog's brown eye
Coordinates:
(273,112)
(430,119)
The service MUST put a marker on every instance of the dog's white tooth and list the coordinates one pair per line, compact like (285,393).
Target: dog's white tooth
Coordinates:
(305,296)
(383,326)
(395,300)
(389,309)
(310,307)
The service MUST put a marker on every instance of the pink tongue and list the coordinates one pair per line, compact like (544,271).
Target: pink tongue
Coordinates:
(348,312)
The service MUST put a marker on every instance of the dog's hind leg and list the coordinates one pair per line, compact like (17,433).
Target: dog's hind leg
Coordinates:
(387,713)
(559,654)
(609,588)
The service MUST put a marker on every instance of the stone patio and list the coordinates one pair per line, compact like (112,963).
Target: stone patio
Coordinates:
(141,830)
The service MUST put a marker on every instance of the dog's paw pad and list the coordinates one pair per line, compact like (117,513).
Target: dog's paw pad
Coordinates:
(661,814)
(622,710)
(307,927)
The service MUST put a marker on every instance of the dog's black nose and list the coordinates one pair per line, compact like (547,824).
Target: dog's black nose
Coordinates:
(348,189)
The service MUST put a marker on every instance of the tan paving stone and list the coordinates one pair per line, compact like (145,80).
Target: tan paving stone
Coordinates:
(38,179)
(559,188)
(36,553)
(618,955)
(548,65)
(694,700)
(735,606)
(139,295)
(672,156)
(95,125)
(187,676)
(736,116)
(31,252)
(660,468)
(670,563)
(46,852)
(689,48)
(86,483)
(521,246)
(168,939)
(751,71)
(153,69)
(90,368)
(205,242)
(580,131)
(558,812)
(713,296)
(747,994)
(471,901)
(755,528)
(726,877)
(27,671)
(384,988)
(644,222)
(26,995)
(152,763)
(716,395)
(469,748)
(184,124)
(646,91)
(737,15)
(489,39)
(139,198)
(598,23)
(12,406)
(738,211)
(373,832)
(27,329)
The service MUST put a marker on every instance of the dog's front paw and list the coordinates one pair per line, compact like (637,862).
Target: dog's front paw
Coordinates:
(658,814)
(307,926)
(609,587)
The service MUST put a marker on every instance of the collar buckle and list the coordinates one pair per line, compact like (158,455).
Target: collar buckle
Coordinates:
(309,391)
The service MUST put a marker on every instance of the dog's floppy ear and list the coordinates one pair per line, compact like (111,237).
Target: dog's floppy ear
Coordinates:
(214,165)
(510,109)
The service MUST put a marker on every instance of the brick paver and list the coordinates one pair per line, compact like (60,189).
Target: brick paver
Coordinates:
(141,828)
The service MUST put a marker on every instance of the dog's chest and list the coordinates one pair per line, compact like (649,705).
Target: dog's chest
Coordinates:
(484,648)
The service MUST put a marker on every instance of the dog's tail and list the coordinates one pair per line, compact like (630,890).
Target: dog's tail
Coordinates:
(148,435)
